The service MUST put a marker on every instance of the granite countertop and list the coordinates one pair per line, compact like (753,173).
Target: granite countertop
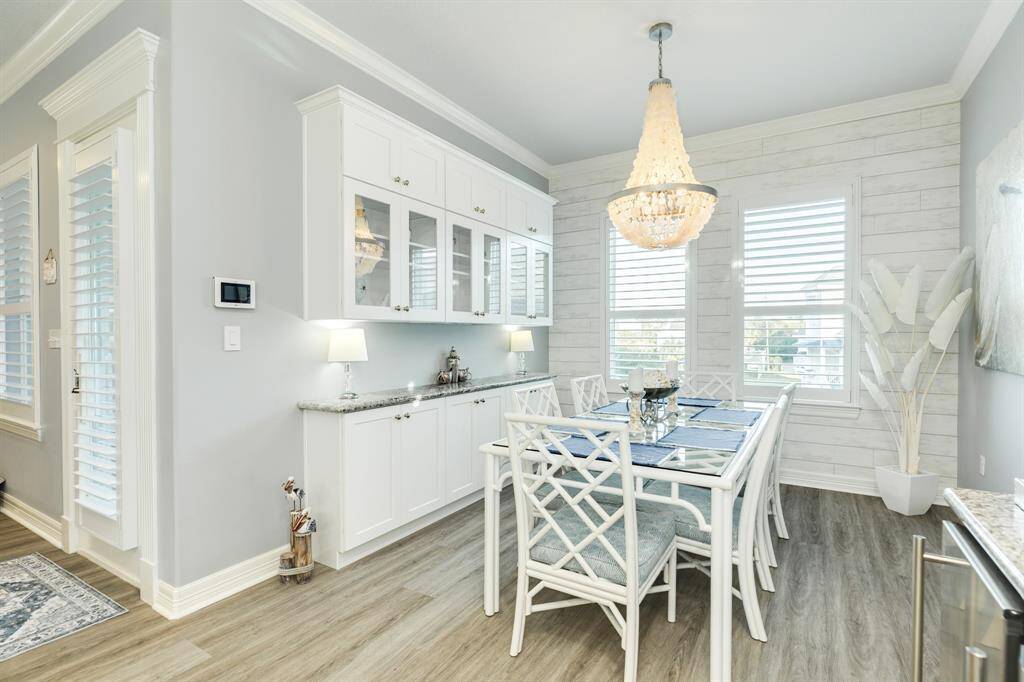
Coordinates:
(401,396)
(998,526)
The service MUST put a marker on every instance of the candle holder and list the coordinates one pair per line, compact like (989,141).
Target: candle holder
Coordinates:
(636,428)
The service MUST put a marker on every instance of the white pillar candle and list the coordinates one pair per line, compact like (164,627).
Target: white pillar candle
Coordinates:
(672,369)
(636,380)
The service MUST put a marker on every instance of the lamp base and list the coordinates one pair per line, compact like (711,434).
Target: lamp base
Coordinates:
(522,364)
(348,395)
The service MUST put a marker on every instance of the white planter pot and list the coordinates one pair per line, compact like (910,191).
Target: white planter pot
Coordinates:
(908,494)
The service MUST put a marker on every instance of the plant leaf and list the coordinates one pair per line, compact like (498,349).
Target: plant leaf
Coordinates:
(946,324)
(887,285)
(909,378)
(876,393)
(880,317)
(906,311)
(948,284)
(876,365)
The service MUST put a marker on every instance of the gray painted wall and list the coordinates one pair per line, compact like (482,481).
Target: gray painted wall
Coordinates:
(33,469)
(237,211)
(991,403)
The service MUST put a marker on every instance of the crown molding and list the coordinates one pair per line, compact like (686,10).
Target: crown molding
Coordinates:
(323,33)
(904,101)
(990,30)
(57,35)
(116,77)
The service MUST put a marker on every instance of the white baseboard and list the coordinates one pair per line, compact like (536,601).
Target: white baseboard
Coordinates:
(46,527)
(841,484)
(175,602)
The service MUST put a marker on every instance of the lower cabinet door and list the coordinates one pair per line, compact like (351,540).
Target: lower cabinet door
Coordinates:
(487,427)
(368,476)
(460,448)
(421,459)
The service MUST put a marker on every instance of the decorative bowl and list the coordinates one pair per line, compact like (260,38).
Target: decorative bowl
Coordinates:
(655,392)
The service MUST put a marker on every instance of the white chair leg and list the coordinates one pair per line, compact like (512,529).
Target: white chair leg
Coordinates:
(780,520)
(673,576)
(764,573)
(632,639)
(748,594)
(519,622)
(766,538)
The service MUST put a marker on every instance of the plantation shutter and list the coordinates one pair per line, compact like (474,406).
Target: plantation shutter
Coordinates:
(101,212)
(795,282)
(17,288)
(646,306)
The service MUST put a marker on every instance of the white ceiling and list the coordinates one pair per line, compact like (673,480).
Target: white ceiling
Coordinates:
(20,19)
(567,80)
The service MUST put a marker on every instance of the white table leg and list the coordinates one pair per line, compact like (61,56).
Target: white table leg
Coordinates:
(721,585)
(491,502)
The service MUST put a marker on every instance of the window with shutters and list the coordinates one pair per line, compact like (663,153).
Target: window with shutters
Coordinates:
(797,270)
(647,306)
(19,354)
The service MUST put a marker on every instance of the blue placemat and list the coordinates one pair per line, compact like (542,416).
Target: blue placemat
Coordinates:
(645,455)
(702,437)
(612,408)
(725,415)
(698,402)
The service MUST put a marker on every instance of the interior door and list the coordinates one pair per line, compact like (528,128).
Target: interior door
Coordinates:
(98,237)
(422,265)
(371,256)
(420,459)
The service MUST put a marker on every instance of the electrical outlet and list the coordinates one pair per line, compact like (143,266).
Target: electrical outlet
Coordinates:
(981,465)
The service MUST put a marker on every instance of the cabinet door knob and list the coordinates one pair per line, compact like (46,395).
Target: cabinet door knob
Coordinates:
(397,307)
(405,183)
(398,416)
(483,210)
(483,400)
(406,415)
(405,308)
(396,179)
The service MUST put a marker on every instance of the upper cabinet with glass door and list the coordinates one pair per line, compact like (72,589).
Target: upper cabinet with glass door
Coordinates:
(529,281)
(476,290)
(391,269)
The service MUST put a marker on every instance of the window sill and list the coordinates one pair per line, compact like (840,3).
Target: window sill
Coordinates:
(20,428)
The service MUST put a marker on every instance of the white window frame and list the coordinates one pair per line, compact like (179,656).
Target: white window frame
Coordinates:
(849,188)
(25,420)
(690,313)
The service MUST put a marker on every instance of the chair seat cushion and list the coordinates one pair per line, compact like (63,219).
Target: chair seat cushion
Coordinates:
(686,523)
(655,533)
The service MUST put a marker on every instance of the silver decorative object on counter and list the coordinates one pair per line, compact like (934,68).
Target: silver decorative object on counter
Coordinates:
(453,374)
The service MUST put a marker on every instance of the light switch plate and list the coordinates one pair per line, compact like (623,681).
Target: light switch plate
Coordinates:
(53,340)
(232,338)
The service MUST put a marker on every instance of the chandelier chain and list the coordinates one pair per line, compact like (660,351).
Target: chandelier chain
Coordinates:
(659,54)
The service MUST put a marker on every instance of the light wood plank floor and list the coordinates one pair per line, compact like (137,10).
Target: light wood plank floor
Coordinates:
(413,612)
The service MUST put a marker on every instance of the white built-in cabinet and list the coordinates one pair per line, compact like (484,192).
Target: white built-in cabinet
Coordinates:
(398,225)
(373,475)
(529,282)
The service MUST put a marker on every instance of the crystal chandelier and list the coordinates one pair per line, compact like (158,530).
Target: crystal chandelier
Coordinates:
(368,250)
(663,204)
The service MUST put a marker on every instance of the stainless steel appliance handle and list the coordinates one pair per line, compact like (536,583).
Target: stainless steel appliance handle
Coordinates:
(917,573)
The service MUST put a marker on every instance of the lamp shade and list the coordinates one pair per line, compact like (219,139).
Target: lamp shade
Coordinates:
(521,341)
(347,345)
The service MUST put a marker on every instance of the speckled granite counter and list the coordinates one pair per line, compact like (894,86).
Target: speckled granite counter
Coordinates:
(997,524)
(401,396)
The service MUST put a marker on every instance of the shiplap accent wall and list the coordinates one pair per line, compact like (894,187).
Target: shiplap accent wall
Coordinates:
(907,166)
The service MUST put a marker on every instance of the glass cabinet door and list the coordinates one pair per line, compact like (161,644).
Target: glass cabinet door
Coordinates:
(518,279)
(492,273)
(423,267)
(371,255)
(541,283)
(462,270)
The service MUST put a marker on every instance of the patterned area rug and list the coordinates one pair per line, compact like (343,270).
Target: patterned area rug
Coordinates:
(41,602)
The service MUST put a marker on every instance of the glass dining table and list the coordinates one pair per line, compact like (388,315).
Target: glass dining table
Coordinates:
(708,444)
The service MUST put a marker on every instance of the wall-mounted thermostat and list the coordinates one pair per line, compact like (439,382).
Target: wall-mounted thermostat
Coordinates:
(234,293)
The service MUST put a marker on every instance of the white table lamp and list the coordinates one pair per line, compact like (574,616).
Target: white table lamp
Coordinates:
(348,346)
(521,342)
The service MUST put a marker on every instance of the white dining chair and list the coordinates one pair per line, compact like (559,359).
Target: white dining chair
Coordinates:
(773,506)
(721,385)
(586,548)
(538,399)
(694,544)
(766,547)
(589,393)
